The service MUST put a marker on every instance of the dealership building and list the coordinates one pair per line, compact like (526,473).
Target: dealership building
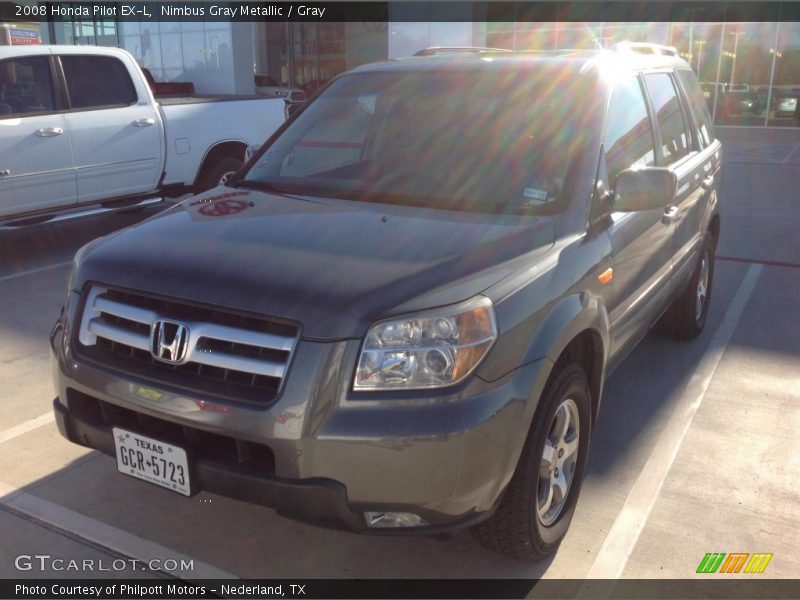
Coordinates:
(749,71)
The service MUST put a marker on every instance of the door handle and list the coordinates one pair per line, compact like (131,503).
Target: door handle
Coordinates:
(49,131)
(708,182)
(4,173)
(669,214)
(143,122)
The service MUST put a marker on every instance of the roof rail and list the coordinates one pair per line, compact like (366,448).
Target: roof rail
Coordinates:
(434,50)
(646,48)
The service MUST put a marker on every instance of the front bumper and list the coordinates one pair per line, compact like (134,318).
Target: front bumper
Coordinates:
(333,456)
(321,501)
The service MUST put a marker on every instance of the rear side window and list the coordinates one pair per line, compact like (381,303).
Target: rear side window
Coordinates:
(628,139)
(675,141)
(97,82)
(26,87)
(697,106)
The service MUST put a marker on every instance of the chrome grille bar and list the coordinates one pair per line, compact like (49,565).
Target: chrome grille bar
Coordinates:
(108,317)
(236,363)
(119,335)
(238,336)
(125,311)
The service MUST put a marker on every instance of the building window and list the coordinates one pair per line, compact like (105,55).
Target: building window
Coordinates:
(744,73)
(91,32)
(785,100)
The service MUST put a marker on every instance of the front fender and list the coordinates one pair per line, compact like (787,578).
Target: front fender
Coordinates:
(547,333)
(553,331)
(571,316)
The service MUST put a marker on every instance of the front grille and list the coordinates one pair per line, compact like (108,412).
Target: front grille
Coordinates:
(228,355)
(213,447)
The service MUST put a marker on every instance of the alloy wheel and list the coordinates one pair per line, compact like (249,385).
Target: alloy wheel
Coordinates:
(702,288)
(559,459)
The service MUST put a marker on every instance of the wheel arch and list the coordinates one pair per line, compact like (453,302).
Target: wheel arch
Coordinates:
(586,350)
(576,330)
(714,227)
(234,148)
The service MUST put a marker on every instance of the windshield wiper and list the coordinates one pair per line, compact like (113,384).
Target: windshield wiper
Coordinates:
(265,186)
(273,188)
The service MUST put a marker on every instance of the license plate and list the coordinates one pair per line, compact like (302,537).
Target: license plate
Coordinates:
(152,460)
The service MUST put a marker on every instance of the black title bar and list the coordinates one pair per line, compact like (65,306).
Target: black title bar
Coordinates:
(457,11)
(715,586)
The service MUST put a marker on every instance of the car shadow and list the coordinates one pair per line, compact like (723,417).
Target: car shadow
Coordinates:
(252,541)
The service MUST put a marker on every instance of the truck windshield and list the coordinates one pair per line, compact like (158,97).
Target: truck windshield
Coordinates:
(495,141)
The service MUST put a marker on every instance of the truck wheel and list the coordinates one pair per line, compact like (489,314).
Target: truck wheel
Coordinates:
(218,172)
(686,317)
(537,506)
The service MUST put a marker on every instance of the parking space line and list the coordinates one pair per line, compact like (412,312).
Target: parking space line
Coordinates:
(34,271)
(101,536)
(750,261)
(626,529)
(788,157)
(22,428)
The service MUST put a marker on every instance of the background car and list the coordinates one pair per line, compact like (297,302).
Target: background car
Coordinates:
(739,100)
(269,86)
(708,93)
(786,103)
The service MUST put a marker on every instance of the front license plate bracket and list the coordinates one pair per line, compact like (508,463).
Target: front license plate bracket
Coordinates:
(153,460)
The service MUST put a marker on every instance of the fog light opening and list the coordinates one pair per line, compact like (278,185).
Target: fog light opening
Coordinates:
(394,519)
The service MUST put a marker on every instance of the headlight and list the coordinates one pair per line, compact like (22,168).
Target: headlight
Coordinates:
(430,349)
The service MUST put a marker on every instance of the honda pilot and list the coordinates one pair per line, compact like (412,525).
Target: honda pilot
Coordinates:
(399,315)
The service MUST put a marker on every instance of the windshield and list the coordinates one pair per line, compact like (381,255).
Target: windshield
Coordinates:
(466,140)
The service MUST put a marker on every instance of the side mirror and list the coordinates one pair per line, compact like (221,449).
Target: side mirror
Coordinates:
(250,151)
(290,107)
(645,188)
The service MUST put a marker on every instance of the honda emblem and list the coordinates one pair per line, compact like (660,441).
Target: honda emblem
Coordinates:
(169,341)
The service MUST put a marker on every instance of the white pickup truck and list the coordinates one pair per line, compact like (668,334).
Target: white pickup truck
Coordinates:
(80,126)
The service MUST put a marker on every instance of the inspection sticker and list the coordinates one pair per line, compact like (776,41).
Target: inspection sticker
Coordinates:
(535,193)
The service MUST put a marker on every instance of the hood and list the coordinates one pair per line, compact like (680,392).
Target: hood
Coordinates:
(334,266)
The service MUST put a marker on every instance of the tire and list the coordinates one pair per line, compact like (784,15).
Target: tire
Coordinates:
(686,317)
(214,173)
(517,529)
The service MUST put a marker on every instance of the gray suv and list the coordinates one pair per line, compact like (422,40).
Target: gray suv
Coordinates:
(399,315)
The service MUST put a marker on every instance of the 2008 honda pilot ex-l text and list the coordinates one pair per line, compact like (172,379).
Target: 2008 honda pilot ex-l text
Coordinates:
(399,315)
